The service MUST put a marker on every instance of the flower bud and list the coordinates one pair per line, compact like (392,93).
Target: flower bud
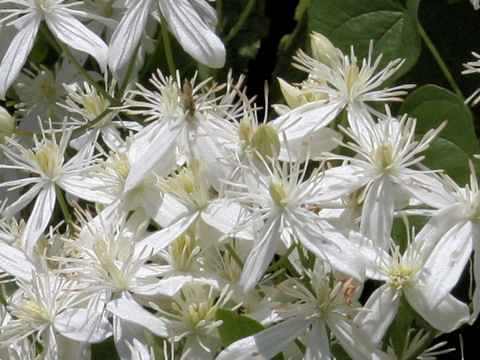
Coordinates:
(7,123)
(293,96)
(266,141)
(322,49)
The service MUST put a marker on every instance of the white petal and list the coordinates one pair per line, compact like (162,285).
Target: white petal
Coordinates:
(14,262)
(161,239)
(195,34)
(86,188)
(225,215)
(160,150)
(127,34)
(303,120)
(261,254)
(354,341)
(76,35)
(129,310)
(318,345)
(167,287)
(23,201)
(447,262)
(377,213)
(476,276)
(447,316)
(125,333)
(17,52)
(83,325)
(382,307)
(39,218)
(267,343)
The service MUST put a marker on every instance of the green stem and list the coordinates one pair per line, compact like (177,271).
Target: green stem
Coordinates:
(443,67)
(218,5)
(168,47)
(282,261)
(91,123)
(234,255)
(131,65)
(64,207)
(240,21)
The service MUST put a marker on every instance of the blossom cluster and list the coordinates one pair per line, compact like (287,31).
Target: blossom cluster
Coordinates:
(142,212)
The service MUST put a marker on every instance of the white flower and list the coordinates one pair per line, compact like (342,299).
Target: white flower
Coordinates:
(192,22)
(409,274)
(280,199)
(46,164)
(337,84)
(316,308)
(27,15)
(48,306)
(476,4)
(381,170)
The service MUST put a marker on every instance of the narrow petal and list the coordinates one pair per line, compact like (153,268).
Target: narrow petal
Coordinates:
(160,150)
(17,52)
(377,213)
(261,254)
(129,310)
(318,345)
(39,218)
(194,33)
(76,35)
(382,308)
(15,263)
(447,262)
(83,325)
(127,34)
(224,216)
(267,343)
(447,316)
(354,341)
(161,239)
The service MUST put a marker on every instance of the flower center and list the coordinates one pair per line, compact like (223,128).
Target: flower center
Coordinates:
(47,155)
(279,194)
(383,157)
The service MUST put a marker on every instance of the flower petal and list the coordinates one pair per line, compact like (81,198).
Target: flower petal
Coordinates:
(195,33)
(83,325)
(76,35)
(17,52)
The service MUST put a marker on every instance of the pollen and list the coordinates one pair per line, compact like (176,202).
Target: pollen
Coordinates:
(48,157)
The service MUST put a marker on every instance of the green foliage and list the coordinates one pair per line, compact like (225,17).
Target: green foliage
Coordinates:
(235,327)
(392,27)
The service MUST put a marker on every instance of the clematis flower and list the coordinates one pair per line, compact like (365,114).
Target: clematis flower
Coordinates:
(45,161)
(60,18)
(192,22)
(315,308)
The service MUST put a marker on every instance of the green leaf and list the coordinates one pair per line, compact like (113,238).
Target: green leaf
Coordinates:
(432,105)
(444,154)
(355,22)
(235,327)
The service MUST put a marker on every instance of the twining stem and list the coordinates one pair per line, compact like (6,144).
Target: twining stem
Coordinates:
(92,122)
(22,132)
(240,21)
(64,208)
(443,67)
(218,6)
(168,47)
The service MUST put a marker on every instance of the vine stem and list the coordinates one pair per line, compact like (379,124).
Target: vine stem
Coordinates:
(168,47)
(64,208)
(443,67)
(240,21)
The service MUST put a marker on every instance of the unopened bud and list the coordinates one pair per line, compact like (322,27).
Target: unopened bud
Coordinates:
(293,96)
(266,141)
(322,49)
(7,123)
